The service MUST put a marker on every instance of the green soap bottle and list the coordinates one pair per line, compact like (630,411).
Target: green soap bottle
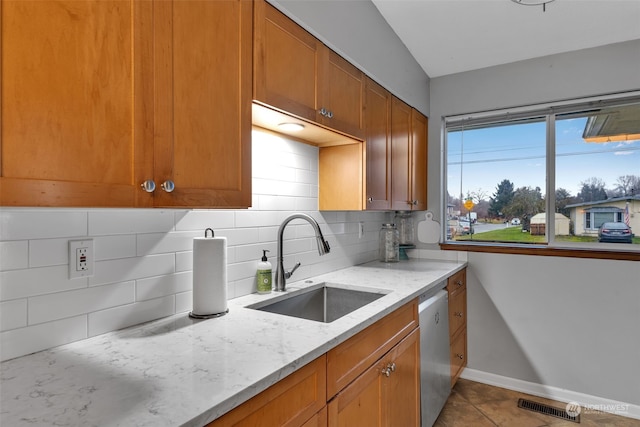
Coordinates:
(264,277)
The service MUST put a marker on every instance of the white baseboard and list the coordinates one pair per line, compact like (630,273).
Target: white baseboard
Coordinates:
(586,401)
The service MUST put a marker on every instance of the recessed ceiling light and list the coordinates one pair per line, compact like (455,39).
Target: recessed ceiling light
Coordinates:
(291,127)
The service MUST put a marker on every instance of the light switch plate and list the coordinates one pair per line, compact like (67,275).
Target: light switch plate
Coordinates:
(80,258)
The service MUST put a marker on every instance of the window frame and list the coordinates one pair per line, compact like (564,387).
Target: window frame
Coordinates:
(523,113)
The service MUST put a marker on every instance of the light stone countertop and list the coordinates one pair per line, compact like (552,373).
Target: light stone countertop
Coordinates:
(178,371)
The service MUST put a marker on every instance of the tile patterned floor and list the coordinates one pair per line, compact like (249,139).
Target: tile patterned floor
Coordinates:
(473,404)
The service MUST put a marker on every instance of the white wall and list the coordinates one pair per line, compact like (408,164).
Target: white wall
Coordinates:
(144,256)
(566,323)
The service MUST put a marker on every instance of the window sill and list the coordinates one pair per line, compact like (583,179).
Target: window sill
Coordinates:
(542,250)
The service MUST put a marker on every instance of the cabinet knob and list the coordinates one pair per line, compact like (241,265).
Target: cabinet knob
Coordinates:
(323,112)
(459,283)
(459,356)
(414,203)
(330,114)
(370,200)
(458,314)
(149,186)
(168,186)
(391,367)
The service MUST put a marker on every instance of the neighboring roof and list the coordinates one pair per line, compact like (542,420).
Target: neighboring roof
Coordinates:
(542,216)
(600,202)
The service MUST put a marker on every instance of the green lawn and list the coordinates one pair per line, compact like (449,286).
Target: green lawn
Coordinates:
(515,235)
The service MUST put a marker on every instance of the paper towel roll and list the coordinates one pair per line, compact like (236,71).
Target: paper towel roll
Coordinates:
(209,276)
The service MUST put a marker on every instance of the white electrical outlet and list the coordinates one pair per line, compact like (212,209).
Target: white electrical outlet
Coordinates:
(80,258)
(360,230)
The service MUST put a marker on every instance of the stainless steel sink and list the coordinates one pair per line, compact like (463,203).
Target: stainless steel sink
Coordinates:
(324,302)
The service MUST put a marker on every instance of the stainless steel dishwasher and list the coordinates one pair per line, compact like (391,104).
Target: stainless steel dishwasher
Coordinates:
(435,370)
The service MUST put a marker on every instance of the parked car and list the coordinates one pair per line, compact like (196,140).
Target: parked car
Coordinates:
(615,232)
(464,227)
(515,221)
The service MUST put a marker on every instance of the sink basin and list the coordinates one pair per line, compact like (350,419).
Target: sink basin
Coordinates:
(324,302)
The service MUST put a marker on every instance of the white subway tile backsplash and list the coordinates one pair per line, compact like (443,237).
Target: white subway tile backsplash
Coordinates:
(22,224)
(129,221)
(184,301)
(131,314)
(144,259)
(37,281)
(160,286)
(160,243)
(200,220)
(121,270)
(14,255)
(13,314)
(114,247)
(46,308)
(19,342)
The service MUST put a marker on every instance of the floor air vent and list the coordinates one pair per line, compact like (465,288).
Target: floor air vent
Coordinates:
(547,410)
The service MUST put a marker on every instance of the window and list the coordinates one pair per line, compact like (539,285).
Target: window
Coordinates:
(502,167)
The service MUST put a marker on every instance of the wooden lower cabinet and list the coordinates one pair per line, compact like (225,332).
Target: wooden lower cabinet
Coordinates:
(297,400)
(457,289)
(372,379)
(386,394)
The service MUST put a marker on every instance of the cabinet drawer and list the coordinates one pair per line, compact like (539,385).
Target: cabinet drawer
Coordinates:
(457,282)
(290,402)
(458,355)
(457,311)
(351,358)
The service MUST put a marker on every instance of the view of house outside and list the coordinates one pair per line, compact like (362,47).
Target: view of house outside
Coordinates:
(497,179)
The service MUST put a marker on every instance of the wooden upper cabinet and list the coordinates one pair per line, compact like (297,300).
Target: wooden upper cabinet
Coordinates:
(341,88)
(74,104)
(295,73)
(99,96)
(408,157)
(286,59)
(377,113)
(418,160)
(203,54)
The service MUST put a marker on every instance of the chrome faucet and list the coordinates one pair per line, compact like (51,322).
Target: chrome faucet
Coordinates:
(323,248)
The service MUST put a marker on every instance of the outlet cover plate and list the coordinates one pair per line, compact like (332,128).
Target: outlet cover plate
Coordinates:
(80,258)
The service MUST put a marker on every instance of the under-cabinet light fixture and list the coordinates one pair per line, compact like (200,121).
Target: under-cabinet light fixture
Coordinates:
(291,126)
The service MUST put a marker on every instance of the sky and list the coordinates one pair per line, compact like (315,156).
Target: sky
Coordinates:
(517,153)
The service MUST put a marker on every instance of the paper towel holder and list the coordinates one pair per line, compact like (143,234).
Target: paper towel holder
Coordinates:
(208,316)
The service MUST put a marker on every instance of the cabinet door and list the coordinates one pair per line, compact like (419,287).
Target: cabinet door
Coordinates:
(378,149)
(75,99)
(341,87)
(203,65)
(402,387)
(286,63)
(386,394)
(400,155)
(418,161)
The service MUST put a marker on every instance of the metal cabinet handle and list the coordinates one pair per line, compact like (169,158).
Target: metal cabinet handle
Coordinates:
(168,186)
(323,112)
(330,114)
(149,186)
(370,200)
(391,367)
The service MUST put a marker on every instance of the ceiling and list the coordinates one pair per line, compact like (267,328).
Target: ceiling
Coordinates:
(452,36)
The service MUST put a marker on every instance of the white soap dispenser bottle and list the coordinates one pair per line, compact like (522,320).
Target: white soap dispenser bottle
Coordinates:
(264,277)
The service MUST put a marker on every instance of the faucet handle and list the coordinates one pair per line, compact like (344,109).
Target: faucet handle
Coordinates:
(288,274)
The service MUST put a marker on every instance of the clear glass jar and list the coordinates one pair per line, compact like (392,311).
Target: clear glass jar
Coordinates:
(389,249)
(404,222)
